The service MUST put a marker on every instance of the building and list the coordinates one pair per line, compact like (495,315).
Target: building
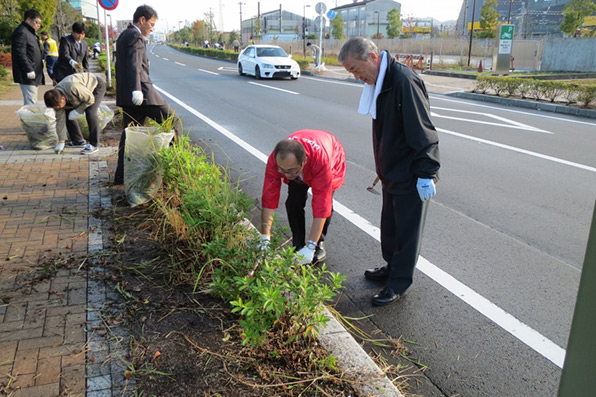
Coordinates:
(532,18)
(366,18)
(87,8)
(279,25)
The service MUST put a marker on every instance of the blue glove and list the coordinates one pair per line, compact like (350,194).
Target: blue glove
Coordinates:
(426,188)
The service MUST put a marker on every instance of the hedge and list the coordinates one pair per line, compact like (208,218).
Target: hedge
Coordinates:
(550,90)
(208,52)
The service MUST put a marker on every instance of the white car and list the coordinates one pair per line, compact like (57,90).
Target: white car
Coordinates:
(267,61)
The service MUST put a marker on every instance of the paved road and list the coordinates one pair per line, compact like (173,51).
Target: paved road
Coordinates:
(492,302)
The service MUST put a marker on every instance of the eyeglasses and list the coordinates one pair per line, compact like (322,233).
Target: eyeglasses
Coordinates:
(37,22)
(293,171)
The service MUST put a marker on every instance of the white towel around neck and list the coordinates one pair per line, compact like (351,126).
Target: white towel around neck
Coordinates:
(368,99)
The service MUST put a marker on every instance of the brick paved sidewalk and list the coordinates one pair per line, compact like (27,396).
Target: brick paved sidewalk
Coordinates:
(44,220)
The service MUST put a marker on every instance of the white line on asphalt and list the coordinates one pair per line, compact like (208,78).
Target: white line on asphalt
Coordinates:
(208,71)
(525,112)
(509,323)
(333,81)
(493,116)
(166,59)
(523,151)
(274,88)
(178,63)
(488,123)
(157,56)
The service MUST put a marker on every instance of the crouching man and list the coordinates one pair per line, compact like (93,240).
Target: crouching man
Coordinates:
(307,159)
(77,94)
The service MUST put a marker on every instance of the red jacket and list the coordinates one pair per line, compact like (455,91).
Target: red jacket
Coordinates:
(323,172)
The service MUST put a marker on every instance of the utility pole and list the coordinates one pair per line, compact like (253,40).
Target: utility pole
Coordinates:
(509,13)
(240,4)
(378,18)
(304,30)
(471,33)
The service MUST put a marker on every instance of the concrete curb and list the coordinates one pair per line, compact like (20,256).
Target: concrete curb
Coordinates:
(546,107)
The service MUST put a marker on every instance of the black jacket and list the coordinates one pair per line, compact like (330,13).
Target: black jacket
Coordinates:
(132,70)
(66,52)
(405,142)
(26,56)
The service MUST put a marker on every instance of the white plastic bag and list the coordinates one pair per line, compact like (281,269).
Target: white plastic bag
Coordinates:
(142,174)
(39,123)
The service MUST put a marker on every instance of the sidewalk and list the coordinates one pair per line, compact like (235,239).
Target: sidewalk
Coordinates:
(46,228)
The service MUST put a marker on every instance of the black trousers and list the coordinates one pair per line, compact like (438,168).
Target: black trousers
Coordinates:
(295,204)
(402,224)
(137,116)
(72,126)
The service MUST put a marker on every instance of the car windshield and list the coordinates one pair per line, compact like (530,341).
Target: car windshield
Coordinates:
(271,52)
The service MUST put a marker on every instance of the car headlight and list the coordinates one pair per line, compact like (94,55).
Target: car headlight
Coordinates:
(268,66)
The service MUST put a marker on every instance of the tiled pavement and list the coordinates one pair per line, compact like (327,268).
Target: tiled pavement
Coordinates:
(47,325)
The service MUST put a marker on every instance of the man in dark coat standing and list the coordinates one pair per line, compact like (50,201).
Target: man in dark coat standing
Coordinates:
(134,89)
(27,56)
(406,150)
(72,53)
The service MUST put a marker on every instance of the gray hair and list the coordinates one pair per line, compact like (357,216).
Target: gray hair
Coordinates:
(357,48)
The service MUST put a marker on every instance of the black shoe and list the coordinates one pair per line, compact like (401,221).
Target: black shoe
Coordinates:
(385,297)
(76,144)
(320,254)
(377,274)
(118,181)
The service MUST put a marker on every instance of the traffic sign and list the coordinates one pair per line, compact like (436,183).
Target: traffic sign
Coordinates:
(331,14)
(108,4)
(320,8)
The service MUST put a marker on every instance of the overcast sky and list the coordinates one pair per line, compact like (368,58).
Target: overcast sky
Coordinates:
(170,12)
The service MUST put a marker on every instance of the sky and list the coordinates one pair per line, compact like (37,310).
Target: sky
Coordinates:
(171,12)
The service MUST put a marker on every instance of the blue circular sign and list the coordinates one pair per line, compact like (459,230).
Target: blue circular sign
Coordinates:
(331,14)
(108,4)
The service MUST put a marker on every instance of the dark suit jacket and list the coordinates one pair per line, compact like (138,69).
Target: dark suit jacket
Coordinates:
(26,56)
(68,51)
(132,70)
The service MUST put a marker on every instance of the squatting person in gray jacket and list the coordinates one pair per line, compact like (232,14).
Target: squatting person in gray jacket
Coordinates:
(406,151)
(77,94)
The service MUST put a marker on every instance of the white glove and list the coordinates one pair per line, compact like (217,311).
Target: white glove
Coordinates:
(73,115)
(264,242)
(426,188)
(137,98)
(31,75)
(305,255)
(73,63)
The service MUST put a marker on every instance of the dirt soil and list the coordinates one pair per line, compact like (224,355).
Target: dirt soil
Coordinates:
(189,344)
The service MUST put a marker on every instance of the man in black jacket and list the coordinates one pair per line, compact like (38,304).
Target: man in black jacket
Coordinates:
(406,151)
(27,65)
(72,53)
(134,89)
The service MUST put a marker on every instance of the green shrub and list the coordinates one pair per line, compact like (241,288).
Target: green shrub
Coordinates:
(3,72)
(303,63)
(586,94)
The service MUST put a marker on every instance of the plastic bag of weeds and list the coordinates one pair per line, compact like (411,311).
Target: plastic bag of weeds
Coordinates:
(104,115)
(142,173)
(39,123)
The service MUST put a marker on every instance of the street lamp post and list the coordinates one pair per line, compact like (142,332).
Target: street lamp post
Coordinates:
(471,32)
(378,19)
(304,30)
(509,13)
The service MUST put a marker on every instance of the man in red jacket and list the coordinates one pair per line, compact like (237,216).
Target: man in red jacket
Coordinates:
(306,159)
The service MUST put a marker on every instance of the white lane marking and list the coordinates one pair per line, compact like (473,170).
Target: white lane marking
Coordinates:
(275,88)
(227,69)
(208,71)
(155,55)
(332,81)
(525,113)
(494,116)
(165,59)
(178,63)
(509,323)
(529,128)
(523,151)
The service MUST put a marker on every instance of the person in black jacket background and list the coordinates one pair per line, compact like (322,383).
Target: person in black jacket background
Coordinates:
(72,53)
(406,151)
(134,89)
(27,56)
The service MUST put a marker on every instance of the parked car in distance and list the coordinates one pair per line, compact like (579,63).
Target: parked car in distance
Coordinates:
(267,61)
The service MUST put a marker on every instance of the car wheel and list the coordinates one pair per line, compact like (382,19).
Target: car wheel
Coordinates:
(294,78)
(257,72)
(240,72)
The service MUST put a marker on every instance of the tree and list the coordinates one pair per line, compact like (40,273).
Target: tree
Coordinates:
(393,23)
(409,26)
(10,18)
(488,19)
(65,16)
(574,14)
(93,31)
(337,27)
